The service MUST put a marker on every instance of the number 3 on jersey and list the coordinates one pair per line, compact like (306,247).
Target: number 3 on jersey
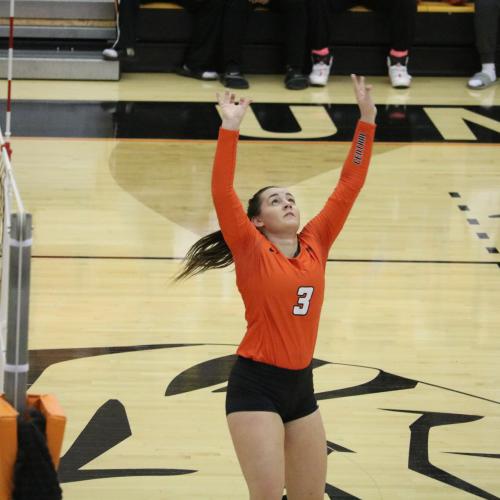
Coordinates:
(304,293)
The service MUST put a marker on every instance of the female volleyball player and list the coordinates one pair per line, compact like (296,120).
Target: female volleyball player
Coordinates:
(272,413)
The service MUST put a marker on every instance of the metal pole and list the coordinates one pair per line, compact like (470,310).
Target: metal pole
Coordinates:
(16,367)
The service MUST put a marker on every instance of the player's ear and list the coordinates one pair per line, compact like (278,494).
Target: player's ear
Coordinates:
(257,221)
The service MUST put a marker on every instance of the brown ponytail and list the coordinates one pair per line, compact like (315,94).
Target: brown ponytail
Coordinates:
(211,251)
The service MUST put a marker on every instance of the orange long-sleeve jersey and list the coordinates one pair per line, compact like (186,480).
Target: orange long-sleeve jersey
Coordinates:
(283,296)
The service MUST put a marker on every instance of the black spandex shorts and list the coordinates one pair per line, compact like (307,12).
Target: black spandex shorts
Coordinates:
(255,386)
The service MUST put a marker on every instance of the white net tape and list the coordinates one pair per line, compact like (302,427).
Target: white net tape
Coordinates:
(4,273)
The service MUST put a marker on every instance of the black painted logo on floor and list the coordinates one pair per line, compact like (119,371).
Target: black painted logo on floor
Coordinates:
(264,121)
(374,396)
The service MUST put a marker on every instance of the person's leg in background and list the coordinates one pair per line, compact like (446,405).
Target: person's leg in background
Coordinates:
(320,37)
(236,14)
(486,18)
(294,16)
(207,17)
(403,17)
(126,27)
(320,14)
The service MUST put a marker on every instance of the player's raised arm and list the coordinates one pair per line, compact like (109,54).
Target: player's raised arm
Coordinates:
(329,222)
(219,249)
(233,220)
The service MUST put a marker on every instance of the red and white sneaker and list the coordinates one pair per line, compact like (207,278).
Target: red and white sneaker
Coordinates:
(398,72)
(320,70)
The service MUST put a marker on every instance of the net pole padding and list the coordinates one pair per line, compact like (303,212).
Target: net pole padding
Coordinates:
(8,448)
(15,302)
(10,65)
(55,422)
(16,360)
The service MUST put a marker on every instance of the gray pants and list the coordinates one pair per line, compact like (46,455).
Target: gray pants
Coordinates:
(486,23)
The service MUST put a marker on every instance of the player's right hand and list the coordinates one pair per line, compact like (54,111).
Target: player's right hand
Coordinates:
(232,109)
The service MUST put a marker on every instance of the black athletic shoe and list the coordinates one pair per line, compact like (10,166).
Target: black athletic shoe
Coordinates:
(234,80)
(295,79)
(198,74)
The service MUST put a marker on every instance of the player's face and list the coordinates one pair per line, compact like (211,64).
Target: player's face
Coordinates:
(278,211)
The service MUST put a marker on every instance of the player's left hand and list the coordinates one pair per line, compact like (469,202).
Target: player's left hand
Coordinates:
(362,92)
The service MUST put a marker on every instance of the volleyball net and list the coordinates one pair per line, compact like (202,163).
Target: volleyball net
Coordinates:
(15,261)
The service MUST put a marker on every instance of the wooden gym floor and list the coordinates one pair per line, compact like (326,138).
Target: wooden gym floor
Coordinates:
(117,177)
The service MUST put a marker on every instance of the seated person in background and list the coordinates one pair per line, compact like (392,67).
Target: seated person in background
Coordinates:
(486,19)
(294,15)
(212,20)
(402,17)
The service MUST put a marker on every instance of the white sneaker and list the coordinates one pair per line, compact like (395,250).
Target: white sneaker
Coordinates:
(398,74)
(112,54)
(320,70)
(209,75)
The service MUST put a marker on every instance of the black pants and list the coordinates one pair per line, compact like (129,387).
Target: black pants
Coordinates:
(402,18)
(486,25)
(215,22)
(294,19)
